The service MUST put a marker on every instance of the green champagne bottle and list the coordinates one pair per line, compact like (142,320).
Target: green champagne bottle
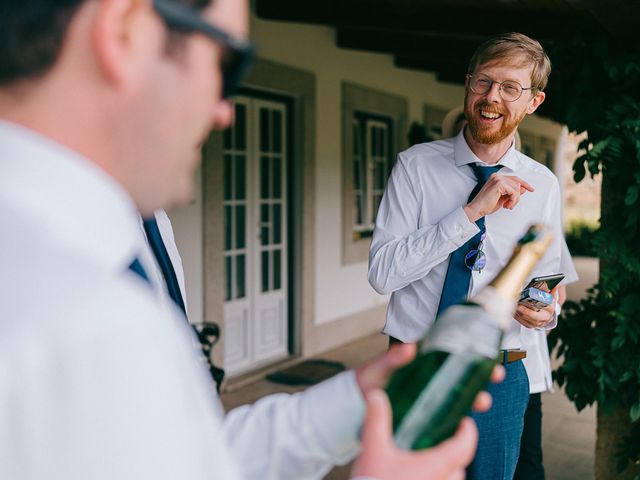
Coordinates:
(430,395)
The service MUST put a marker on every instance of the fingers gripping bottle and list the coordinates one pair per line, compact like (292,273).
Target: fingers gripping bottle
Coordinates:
(436,390)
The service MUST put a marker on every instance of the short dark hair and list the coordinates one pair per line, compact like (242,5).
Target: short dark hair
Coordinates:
(32,33)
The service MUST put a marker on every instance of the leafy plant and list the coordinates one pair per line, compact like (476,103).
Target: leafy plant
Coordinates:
(599,87)
(581,239)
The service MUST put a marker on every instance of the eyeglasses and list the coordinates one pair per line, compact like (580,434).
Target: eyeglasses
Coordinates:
(239,53)
(476,260)
(510,90)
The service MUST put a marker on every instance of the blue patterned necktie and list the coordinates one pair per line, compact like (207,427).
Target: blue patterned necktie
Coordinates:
(164,262)
(456,283)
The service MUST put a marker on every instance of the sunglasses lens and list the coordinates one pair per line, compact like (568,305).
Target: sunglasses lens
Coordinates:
(475,260)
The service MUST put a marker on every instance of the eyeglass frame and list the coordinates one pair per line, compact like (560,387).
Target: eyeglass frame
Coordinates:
(492,81)
(187,19)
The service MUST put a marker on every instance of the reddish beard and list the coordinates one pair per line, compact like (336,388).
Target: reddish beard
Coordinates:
(486,134)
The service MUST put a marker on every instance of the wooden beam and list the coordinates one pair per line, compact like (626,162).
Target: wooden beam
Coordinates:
(412,45)
(473,22)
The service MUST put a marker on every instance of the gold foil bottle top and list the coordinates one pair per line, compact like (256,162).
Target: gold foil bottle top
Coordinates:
(530,249)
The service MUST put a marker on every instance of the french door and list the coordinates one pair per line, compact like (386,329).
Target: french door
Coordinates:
(255,236)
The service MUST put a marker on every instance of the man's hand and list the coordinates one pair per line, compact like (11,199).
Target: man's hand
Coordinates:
(532,318)
(500,191)
(381,459)
(375,373)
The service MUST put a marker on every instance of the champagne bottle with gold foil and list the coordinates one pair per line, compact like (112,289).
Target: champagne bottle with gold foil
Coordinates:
(436,390)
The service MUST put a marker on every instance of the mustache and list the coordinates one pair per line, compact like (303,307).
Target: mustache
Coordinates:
(489,107)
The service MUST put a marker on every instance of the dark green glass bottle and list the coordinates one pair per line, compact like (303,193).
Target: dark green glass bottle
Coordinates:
(436,390)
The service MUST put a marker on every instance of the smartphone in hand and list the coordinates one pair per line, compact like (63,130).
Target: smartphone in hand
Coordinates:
(535,295)
(546,282)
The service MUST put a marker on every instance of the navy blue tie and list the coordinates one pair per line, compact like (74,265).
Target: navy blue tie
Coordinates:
(137,267)
(456,283)
(162,256)
(207,334)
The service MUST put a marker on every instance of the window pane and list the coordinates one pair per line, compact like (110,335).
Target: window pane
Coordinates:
(376,204)
(277,177)
(379,176)
(358,220)
(240,177)
(240,227)
(265,271)
(264,177)
(240,127)
(265,224)
(356,138)
(277,131)
(240,276)
(227,278)
(227,228)
(277,224)
(264,130)
(227,177)
(227,138)
(372,141)
(277,267)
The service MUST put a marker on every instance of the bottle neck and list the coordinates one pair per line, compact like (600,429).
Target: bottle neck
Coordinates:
(510,280)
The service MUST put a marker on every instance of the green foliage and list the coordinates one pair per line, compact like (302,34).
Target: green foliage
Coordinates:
(582,239)
(599,337)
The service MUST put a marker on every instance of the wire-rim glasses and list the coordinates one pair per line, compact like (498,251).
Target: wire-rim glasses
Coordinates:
(510,90)
(239,53)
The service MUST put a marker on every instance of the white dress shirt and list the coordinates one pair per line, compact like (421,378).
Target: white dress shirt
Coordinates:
(421,221)
(98,376)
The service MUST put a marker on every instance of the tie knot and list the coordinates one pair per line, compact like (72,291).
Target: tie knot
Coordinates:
(483,173)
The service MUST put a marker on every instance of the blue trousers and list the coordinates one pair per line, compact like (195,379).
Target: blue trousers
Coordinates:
(501,427)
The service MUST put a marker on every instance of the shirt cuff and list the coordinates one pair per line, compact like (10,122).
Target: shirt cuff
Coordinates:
(343,408)
(458,228)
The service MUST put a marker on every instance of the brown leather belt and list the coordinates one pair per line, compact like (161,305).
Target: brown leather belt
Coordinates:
(510,356)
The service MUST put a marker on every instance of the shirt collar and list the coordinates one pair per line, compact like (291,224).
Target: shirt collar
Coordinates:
(82,206)
(464,156)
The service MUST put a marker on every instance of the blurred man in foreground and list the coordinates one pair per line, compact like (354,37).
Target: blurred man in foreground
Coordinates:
(103,107)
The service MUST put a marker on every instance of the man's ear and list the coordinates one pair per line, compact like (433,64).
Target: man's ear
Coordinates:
(125,36)
(535,102)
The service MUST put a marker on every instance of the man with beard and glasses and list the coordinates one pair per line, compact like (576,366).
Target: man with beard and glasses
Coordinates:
(451,215)
(104,106)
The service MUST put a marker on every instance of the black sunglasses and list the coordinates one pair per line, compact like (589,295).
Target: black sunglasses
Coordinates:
(239,55)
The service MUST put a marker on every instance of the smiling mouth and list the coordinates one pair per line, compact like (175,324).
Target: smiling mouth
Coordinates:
(489,115)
